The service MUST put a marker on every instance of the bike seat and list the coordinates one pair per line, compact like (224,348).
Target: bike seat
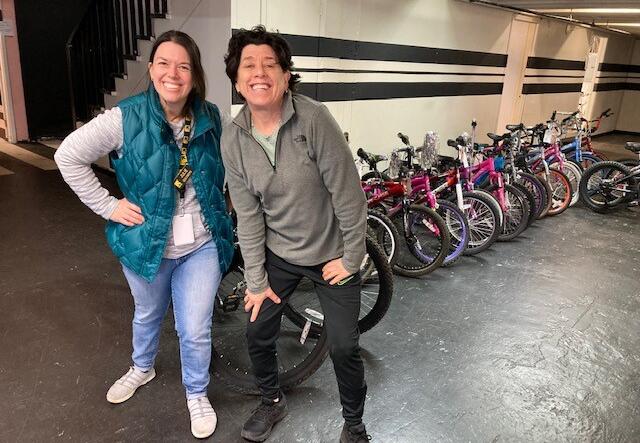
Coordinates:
(515,127)
(633,146)
(497,138)
(376,158)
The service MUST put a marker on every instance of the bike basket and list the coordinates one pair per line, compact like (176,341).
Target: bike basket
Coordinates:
(428,153)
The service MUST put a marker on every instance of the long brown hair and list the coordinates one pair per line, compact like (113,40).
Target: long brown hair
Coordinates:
(197,72)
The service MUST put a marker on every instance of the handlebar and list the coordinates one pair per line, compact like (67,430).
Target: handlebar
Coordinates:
(569,118)
(404,138)
(362,154)
(606,113)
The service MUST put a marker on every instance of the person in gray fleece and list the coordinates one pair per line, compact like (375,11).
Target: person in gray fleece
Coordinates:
(301,213)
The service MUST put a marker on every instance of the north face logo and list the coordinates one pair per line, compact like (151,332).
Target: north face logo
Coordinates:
(300,138)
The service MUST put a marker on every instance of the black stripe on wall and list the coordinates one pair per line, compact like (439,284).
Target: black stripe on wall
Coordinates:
(554,76)
(616,67)
(331,92)
(550,88)
(616,87)
(313,46)
(552,63)
(373,71)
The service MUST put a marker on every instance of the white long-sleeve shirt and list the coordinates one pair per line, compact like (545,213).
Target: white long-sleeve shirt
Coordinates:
(97,139)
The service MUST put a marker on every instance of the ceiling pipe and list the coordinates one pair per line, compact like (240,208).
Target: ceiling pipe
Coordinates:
(552,17)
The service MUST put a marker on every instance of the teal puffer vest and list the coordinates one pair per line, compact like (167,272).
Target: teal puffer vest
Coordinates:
(145,173)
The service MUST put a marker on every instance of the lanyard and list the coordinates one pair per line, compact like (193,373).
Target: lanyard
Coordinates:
(185,171)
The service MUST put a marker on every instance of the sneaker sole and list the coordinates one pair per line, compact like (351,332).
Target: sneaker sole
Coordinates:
(205,434)
(123,399)
(262,437)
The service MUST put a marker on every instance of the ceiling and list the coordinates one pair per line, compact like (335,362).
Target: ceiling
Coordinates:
(619,15)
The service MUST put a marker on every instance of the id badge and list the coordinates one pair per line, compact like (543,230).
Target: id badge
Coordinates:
(183,230)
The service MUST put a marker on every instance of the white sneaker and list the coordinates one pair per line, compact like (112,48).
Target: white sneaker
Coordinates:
(203,417)
(124,388)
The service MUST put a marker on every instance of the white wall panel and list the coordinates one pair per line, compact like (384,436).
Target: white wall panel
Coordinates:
(629,118)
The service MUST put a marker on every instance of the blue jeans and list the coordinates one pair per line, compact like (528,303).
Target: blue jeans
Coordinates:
(190,282)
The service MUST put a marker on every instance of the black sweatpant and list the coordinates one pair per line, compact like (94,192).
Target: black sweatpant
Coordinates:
(340,306)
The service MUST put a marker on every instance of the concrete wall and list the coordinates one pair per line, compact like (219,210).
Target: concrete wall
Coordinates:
(415,65)
(543,74)
(438,80)
(629,119)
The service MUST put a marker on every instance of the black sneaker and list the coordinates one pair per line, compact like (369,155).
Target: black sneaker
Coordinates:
(267,414)
(354,434)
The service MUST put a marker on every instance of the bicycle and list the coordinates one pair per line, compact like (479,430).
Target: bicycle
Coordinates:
(608,185)
(425,233)
(302,343)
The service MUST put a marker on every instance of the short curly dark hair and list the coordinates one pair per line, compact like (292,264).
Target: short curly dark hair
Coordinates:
(258,35)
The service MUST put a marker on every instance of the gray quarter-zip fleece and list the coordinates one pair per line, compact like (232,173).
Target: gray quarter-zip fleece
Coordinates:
(307,208)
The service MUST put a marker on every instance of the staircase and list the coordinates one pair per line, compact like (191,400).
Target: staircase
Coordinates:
(106,48)
(109,51)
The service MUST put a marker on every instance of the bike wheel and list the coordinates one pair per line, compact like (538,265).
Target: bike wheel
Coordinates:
(426,243)
(573,173)
(494,202)
(484,221)
(531,201)
(383,231)
(599,190)
(561,192)
(297,359)
(516,212)
(458,227)
(376,294)
(537,189)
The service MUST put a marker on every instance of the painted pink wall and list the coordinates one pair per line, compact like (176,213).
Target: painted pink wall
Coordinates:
(15,73)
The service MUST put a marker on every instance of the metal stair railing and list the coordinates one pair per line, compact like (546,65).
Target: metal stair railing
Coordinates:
(99,46)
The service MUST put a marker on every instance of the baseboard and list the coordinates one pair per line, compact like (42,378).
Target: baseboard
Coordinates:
(616,132)
(637,134)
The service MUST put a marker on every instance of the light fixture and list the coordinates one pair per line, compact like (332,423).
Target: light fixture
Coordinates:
(590,11)
(630,25)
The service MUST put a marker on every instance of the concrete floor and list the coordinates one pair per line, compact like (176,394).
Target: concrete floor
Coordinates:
(533,340)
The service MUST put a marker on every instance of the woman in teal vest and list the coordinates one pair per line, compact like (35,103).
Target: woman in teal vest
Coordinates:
(170,231)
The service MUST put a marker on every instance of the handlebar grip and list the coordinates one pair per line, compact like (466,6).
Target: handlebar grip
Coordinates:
(404,138)
(566,119)
(452,143)
(362,154)
(553,116)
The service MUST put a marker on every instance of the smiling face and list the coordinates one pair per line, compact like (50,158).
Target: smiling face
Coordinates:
(170,73)
(260,78)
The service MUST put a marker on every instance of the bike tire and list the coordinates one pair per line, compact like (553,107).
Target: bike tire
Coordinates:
(376,303)
(383,231)
(592,185)
(539,191)
(531,199)
(561,192)
(230,363)
(573,173)
(421,256)
(516,216)
(458,227)
(484,221)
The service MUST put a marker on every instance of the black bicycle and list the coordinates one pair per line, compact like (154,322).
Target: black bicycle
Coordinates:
(608,185)
(302,343)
